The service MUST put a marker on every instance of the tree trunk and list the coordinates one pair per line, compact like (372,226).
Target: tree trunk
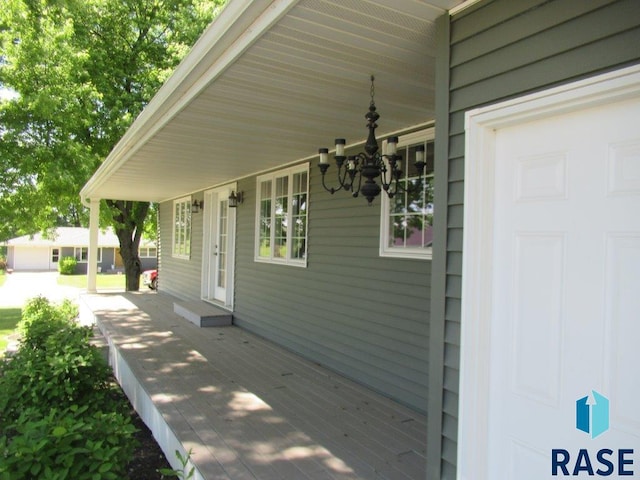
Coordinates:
(129,220)
(131,259)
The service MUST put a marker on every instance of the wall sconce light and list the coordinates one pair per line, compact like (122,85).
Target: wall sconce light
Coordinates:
(370,164)
(235,199)
(196,206)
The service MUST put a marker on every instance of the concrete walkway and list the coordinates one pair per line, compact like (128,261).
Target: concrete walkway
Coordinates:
(21,286)
(249,409)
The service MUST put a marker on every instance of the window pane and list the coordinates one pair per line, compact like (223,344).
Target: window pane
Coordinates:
(187,229)
(264,236)
(411,211)
(282,186)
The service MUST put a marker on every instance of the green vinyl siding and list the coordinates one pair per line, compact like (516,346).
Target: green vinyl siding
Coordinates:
(180,277)
(499,50)
(361,315)
(364,316)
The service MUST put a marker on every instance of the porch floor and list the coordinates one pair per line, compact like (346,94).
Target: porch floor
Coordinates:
(248,408)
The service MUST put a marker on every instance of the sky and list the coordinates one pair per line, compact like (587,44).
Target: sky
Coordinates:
(6,94)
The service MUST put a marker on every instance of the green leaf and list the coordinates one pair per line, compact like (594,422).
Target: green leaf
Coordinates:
(59,431)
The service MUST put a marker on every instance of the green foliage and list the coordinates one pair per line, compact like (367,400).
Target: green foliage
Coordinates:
(82,72)
(60,416)
(184,461)
(67,265)
(70,443)
(3,263)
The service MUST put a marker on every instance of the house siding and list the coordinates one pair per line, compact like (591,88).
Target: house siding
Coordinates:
(180,277)
(499,50)
(362,315)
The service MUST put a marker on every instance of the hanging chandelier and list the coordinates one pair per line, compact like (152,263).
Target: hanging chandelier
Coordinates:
(370,164)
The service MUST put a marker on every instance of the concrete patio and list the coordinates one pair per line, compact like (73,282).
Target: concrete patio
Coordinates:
(247,408)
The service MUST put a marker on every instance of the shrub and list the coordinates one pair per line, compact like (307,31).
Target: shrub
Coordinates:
(60,416)
(67,265)
(41,319)
(67,444)
(3,262)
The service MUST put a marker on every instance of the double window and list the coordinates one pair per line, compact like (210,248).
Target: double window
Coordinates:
(281,223)
(407,218)
(82,254)
(182,228)
(147,252)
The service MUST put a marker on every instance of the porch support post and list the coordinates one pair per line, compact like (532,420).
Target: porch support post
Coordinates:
(92,265)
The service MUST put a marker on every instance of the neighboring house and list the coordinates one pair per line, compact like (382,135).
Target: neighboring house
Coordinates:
(39,253)
(514,89)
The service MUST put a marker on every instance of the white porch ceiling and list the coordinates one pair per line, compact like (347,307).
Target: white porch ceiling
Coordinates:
(267,84)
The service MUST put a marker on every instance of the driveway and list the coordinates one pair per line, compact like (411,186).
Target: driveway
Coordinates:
(21,286)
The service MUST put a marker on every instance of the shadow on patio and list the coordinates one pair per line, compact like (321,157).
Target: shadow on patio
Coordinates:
(248,408)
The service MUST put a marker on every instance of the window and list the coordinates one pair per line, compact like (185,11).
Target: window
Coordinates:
(182,228)
(281,223)
(147,252)
(407,218)
(55,255)
(82,254)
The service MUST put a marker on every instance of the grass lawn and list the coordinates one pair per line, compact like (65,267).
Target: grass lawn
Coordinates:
(9,318)
(102,281)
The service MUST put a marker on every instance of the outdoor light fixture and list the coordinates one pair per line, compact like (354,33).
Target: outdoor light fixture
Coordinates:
(370,164)
(196,206)
(235,199)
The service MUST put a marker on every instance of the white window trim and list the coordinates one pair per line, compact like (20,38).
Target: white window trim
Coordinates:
(272,176)
(186,200)
(55,258)
(395,252)
(75,254)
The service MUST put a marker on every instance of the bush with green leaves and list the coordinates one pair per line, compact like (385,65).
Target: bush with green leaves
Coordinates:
(60,415)
(67,265)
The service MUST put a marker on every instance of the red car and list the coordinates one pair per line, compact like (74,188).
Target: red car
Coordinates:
(150,279)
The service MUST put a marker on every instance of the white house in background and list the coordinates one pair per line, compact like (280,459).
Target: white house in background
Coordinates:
(39,253)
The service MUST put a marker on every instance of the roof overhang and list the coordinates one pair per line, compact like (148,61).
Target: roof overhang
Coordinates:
(268,83)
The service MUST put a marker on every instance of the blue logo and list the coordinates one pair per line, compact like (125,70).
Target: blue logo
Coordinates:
(592,414)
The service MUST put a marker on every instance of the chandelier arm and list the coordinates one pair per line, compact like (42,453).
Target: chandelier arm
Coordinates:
(382,161)
(331,190)
(342,178)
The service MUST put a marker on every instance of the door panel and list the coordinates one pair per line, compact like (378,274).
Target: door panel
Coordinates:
(565,284)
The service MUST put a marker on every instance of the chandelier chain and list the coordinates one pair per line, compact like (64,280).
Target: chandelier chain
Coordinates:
(372,91)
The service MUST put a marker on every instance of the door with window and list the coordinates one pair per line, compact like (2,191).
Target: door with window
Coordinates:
(219,240)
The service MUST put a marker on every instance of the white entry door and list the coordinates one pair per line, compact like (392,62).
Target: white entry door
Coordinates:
(219,239)
(560,321)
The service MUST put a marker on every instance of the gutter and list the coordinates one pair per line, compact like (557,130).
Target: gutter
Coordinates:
(179,90)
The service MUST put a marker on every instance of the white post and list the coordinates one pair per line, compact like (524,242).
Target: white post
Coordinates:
(92,265)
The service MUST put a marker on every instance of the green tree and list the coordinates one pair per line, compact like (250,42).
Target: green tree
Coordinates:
(81,70)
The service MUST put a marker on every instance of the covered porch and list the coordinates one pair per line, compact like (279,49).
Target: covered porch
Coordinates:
(247,408)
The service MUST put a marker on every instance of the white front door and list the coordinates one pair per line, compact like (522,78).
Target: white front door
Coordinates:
(218,255)
(560,317)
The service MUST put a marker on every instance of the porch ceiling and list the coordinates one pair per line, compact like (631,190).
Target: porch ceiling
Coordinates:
(268,83)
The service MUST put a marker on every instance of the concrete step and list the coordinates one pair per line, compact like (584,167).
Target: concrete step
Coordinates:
(203,314)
